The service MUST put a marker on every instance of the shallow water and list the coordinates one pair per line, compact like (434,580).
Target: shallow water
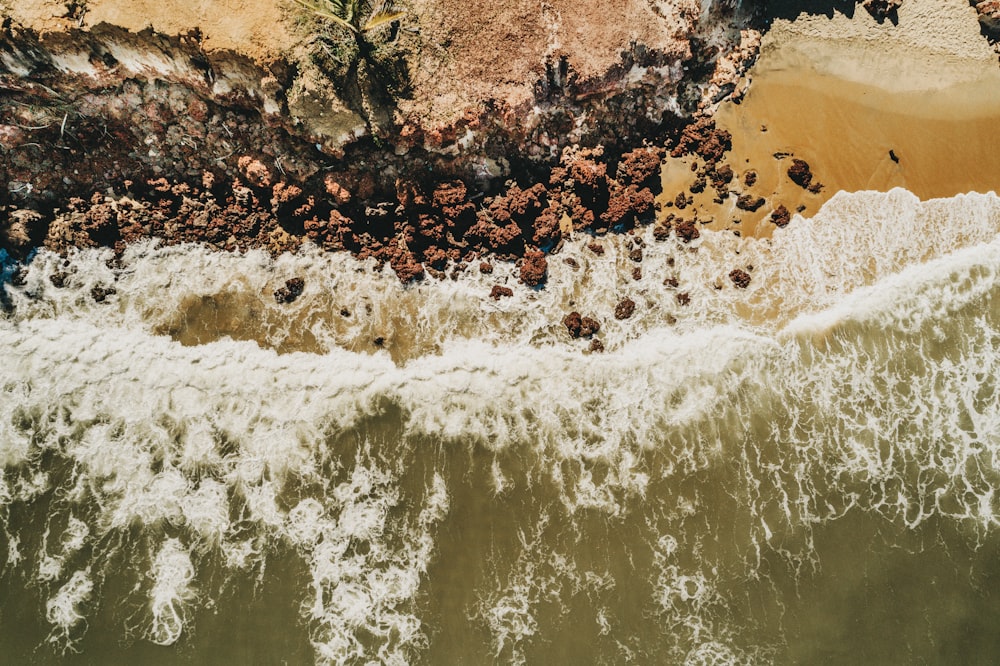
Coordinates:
(801,472)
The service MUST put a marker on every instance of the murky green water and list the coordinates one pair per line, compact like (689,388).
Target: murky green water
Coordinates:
(802,472)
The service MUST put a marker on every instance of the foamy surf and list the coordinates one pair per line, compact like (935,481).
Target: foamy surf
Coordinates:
(476,495)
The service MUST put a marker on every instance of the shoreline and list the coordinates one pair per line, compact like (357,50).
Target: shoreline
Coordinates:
(373,202)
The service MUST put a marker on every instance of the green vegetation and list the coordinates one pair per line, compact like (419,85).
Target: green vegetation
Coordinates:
(375,76)
(359,17)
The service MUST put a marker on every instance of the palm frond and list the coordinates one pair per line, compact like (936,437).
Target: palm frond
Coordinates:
(327,10)
(380,19)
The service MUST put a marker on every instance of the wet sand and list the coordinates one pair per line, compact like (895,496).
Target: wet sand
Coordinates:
(916,114)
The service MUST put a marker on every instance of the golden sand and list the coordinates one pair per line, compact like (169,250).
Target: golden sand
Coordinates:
(820,93)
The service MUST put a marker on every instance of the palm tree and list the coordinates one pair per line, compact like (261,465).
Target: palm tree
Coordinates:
(360,18)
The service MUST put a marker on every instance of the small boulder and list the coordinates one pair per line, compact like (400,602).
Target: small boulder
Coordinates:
(292,290)
(625,309)
(740,278)
(579,326)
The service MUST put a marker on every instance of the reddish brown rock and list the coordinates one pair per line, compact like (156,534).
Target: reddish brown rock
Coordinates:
(340,194)
(404,264)
(628,206)
(499,292)
(534,268)
(625,308)
(641,167)
(256,172)
(781,217)
(749,202)
(485,268)
(596,248)
(750,178)
(800,173)
(588,173)
(740,278)
(546,227)
(579,326)
(687,230)
(704,139)
(596,346)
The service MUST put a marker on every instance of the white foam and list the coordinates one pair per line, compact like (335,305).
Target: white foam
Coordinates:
(64,610)
(872,364)
(172,591)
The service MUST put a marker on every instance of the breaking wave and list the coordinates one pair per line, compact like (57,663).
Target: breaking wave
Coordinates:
(433,476)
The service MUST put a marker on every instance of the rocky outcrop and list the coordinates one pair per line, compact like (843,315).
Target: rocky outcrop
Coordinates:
(108,134)
(989,17)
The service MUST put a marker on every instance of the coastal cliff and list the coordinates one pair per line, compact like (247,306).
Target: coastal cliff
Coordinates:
(472,131)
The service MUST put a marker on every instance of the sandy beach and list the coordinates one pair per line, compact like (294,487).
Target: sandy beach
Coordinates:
(868,106)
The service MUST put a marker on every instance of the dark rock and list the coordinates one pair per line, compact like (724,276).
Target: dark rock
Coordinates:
(749,202)
(750,178)
(100,294)
(499,292)
(534,268)
(683,298)
(636,273)
(596,345)
(882,9)
(687,230)
(989,17)
(292,290)
(740,278)
(596,248)
(781,217)
(625,308)
(579,326)
(636,255)
(800,173)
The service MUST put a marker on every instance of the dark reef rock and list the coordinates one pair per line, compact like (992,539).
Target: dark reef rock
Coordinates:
(534,268)
(781,217)
(579,326)
(499,292)
(800,173)
(749,202)
(687,230)
(740,278)
(624,309)
(292,290)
